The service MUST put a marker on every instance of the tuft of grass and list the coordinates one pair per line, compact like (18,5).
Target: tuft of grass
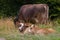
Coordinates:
(9,32)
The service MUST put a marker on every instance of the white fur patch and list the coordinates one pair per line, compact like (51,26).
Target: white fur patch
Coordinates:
(36,20)
(22,24)
(29,30)
(20,27)
(32,25)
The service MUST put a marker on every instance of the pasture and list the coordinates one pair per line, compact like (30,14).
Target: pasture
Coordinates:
(9,32)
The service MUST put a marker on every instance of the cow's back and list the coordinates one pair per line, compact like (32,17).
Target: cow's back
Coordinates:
(31,11)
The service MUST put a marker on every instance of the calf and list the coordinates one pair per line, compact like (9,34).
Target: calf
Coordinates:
(42,31)
(32,29)
(24,27)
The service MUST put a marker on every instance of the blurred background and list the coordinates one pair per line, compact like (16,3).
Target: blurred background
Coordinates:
(10,8)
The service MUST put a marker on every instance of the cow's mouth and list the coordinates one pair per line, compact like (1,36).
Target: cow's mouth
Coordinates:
(20,28)
(23,28)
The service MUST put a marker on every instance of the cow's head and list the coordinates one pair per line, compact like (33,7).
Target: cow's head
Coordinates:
(23,26)
(32,29)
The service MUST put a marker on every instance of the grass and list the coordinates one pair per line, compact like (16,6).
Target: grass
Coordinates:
(9,32)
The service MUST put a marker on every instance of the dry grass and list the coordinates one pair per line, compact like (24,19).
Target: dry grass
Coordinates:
(7,25)
(9,32)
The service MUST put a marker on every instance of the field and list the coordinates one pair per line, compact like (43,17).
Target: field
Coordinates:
(9,32)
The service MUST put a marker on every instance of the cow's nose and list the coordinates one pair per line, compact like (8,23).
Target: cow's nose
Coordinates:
(20,29)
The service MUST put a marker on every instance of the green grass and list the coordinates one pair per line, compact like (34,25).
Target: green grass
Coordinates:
(8,31)
(30,37)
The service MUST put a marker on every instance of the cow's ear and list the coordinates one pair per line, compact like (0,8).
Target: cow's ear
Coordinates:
(32,25)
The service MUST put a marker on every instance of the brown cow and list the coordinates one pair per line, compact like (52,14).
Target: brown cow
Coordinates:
(24,27)
(42,31)
(34,13)
(34,29)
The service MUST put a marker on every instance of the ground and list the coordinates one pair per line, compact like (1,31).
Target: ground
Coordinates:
(9,32)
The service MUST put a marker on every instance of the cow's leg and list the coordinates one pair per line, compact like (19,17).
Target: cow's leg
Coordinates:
(36,20)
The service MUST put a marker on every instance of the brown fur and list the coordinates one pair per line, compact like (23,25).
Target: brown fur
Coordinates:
(42,31)
(25,27)
(28,28)
(32,12)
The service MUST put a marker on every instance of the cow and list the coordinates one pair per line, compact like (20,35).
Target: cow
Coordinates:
(24,27)
(33,13)
(33,29)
